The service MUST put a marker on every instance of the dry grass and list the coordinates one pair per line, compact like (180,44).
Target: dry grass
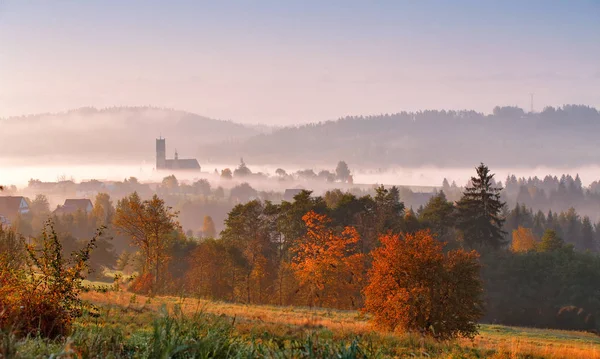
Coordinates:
(539,342)
(507,342)
(346,322)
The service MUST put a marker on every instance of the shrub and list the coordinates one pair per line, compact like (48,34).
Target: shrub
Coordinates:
(414,286)
(25,310)
(45,299)
(12,253)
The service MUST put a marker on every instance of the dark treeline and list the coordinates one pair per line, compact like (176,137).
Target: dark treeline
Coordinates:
(550,195)
(554,193)
(417,139)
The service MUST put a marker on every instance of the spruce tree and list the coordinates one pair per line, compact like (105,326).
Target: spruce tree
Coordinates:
(587,235)
(479,211)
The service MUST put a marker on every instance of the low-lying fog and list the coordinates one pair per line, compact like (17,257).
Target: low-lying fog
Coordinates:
(15,174)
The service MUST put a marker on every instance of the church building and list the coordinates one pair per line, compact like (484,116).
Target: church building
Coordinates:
(162,163)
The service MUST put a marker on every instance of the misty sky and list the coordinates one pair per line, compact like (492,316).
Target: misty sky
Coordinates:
(282,62)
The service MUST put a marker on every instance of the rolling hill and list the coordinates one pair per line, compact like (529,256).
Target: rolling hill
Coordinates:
(120,134)
(565,136)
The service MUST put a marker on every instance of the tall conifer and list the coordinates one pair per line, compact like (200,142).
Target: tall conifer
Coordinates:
(479,211)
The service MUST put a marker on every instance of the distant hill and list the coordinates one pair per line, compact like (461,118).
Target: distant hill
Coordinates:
(119,134)
(559,137)
(566,136)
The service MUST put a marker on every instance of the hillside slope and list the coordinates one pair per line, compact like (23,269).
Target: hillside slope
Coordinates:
(565,136)
(112,135)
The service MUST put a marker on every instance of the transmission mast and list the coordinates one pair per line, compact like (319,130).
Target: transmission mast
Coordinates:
(531,102)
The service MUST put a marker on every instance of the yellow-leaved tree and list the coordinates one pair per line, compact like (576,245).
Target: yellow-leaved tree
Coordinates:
(152,226)
(523,240)
(208,227)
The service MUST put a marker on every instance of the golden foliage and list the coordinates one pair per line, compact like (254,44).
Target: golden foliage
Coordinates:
(414,286)
(150,225)
(523,240)
(209,266)
(208,227)
(44,299)
(27,309)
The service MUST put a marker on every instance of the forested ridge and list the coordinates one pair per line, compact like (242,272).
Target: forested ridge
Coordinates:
(563,136)
(508,137)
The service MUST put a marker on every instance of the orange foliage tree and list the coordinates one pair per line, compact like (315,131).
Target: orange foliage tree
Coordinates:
(209,267)
(414,286)
(151,226)
(523,240)
(328,265)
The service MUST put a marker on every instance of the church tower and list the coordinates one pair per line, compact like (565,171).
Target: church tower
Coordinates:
(161,153)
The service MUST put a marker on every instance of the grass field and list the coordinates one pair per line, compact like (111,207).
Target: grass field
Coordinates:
(133,326)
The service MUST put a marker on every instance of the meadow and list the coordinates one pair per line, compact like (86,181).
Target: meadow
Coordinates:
(135,326)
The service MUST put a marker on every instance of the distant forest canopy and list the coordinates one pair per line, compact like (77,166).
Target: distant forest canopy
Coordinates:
(508,137)
(564,136)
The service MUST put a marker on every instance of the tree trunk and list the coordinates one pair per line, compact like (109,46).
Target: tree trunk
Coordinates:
(248,287)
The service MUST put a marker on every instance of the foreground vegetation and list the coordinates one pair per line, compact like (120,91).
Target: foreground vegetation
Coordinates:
(133,326)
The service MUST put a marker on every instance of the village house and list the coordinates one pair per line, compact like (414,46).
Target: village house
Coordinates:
(13,206)
(71,206)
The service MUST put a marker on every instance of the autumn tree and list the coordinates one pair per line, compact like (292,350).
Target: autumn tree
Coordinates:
(285,284)
(150,225)
(290,223)
(103,210)
(208,227)
(479,211)
(523,240)
(415,286)
(550,242)
(44,299)
(208,275)
(253,250)
(327,265)
(12,253)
